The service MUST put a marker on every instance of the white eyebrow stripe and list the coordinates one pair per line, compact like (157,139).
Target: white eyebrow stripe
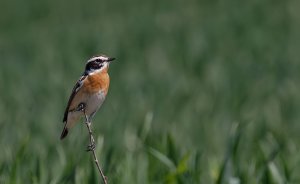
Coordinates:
(102,58)
(98,57)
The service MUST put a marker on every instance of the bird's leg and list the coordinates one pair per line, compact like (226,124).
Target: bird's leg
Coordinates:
(91,146)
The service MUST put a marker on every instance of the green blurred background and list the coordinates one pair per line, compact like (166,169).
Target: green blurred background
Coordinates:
(203,91)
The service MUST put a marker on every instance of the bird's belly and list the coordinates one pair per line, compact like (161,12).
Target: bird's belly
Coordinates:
(94,102)
(73,117)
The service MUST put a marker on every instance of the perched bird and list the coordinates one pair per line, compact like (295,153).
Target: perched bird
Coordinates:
(88,93)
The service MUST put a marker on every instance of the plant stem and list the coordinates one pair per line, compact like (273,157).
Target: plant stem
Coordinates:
(92,149)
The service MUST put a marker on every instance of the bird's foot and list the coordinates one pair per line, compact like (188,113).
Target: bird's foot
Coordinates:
(80,107)
(91,147)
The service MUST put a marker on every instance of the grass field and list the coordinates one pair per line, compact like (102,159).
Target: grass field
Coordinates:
(201,92)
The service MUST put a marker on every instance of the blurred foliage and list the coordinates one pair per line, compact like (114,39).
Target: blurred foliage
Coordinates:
(203,91)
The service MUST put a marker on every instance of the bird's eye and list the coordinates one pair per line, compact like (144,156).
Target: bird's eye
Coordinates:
(95,65)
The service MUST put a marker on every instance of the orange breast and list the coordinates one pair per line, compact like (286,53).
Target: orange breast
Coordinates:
(97,82)
(92,84)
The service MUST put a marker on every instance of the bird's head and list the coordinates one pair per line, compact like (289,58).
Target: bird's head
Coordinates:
(97,64)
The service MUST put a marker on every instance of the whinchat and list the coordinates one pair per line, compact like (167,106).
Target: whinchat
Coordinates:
(88,93)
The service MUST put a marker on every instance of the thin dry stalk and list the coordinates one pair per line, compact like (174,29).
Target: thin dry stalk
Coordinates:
(92,147)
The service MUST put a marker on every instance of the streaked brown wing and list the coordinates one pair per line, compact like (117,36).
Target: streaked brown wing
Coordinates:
(76,88)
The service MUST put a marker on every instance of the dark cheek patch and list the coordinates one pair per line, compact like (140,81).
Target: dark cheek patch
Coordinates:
(93,66)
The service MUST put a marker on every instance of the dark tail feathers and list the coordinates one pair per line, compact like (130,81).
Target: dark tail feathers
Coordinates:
(64,133)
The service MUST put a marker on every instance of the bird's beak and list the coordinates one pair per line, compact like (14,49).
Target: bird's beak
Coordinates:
(110,59)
